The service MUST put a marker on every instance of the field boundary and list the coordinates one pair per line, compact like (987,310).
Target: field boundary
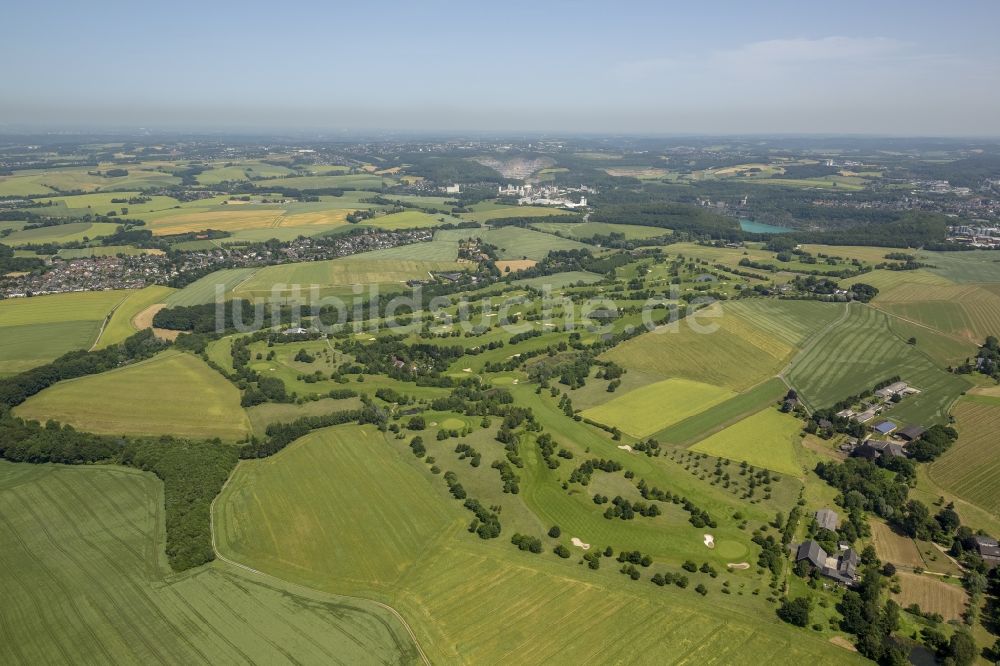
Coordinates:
(262,574)
(107,320)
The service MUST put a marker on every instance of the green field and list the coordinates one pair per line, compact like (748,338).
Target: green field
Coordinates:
(377,526)
(37,330)
(120,324)
(170,394)
(263,415)
(103,251)
(85,581)
(646,410)
(411,219)
(712,346)
(971,467)
(356,182)
(61,233)
(724,414)
(976,266)
(862,350)
(767,439)
(514,242)
(207,289)
(486,211)
(585,230)
(365,547)
(338,274)
(560,280)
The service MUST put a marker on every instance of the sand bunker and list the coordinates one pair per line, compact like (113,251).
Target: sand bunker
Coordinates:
(466,369)
(738,565)
(710,541)
(579,544)
(625,447)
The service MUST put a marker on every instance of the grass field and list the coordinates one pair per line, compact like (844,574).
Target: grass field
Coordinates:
(207,289)
(170,394)
(971,467)
(767,439)
(514,242)
(585,230)
(896,548)
(60,233)
(932,594)
(486,211)
(357,182)
(410,219)
(724,414)
(737,354)
(85,581)
(37,330)
(120,324)
(369,544)
(221,218)
(105,251)
(645,410)
(263,415)
(867,351)
(369,512)
(975,266)
(560,280)
(344,273)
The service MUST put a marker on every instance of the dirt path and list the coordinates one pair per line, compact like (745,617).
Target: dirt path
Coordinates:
(256,572)
(104,324)
(144,320)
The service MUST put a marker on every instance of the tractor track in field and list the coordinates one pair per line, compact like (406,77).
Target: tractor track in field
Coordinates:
(215,549)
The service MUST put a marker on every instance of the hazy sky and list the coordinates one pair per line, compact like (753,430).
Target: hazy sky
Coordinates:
(889,67)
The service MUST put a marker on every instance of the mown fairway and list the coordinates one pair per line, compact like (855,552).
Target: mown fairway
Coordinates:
(653,407)
(712,346)
(767,439)
(862,350)
(171,394)
(355,512)
(84,580)
(37,330)
(971,467)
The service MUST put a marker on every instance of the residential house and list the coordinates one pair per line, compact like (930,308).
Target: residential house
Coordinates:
(842,568)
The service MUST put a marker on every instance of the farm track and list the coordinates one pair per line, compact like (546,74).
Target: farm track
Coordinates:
(267,576)
(107,319)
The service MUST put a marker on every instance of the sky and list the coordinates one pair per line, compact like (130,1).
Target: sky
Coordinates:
(915,68)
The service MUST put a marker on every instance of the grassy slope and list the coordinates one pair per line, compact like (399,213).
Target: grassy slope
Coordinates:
(867,351)
(120,325)
(85,581)
(971,467)
(472,601)
(171,394)
(36,330)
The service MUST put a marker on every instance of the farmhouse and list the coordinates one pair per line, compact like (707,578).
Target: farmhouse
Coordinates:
(845,413)
(872,449)
(827,519)
(843,568)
